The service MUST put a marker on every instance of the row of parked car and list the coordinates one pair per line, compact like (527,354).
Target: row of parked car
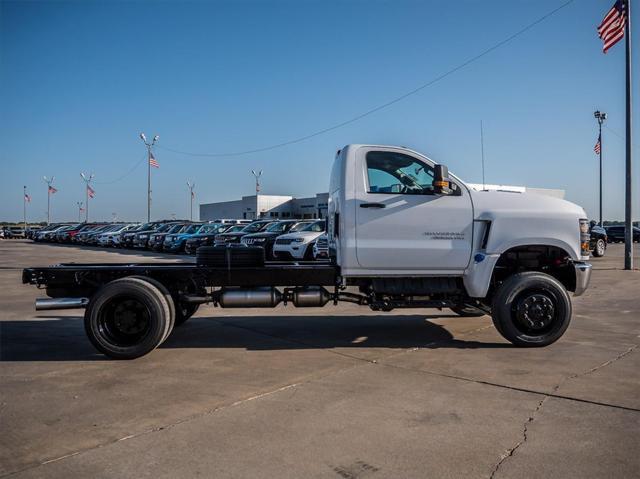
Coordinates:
(281,239)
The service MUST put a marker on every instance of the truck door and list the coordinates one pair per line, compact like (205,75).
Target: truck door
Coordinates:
(400,223)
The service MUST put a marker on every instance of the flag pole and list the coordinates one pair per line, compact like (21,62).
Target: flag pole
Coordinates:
(148,183)
(24,208)
(628,215)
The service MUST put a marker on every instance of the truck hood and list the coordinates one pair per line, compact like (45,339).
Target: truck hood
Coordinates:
(518,219)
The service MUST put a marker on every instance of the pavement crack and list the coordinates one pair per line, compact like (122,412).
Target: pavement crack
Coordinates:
(525,436)
(525,428)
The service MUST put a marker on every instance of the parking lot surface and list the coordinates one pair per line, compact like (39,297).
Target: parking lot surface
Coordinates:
(334,392)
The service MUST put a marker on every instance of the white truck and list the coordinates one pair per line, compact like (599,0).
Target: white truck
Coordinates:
(402,233)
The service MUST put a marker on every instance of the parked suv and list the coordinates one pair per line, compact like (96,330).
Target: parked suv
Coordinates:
(267,237)
(156,240)
(175,242)
(616,233)
(207,234)
(234,237)
(299,245)
(598,240)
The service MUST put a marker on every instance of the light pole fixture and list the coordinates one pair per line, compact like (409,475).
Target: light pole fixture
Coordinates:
(89,193)
(50,189)
(600,117)
(257,174)
(150,159)
(192,195)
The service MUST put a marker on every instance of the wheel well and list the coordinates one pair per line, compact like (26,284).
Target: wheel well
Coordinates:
(551,260)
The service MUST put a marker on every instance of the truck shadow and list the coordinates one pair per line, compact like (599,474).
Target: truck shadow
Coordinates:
(62,338)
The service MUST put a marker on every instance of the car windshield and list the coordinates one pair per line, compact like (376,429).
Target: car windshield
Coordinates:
(174,229)
(253,227)
(235,229)
(317,227)
(279,227)
(299,227)
(189,229)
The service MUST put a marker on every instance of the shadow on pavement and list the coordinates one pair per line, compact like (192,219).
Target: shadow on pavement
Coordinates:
(62,338)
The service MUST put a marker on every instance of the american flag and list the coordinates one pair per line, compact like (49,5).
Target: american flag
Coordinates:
(91,192)
(81,208)
(27,198)
(52,190)
(153,162)
(611,30)
(597,147)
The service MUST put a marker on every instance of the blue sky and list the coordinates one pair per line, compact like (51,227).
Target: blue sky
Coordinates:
(80,80)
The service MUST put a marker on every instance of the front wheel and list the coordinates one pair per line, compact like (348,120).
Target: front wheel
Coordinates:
(531,309)
(600,248)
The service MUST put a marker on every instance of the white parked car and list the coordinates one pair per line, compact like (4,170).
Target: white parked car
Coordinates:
(112,237)
(299,245)
(321,247)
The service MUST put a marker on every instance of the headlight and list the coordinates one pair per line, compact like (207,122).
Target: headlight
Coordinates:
(143,236)
(298,240)
(584,237)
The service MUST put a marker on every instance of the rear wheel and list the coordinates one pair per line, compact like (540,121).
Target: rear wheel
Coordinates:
(600,248)
(531,309)
(127,318)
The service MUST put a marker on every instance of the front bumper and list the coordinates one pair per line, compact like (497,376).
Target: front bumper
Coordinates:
(583,276)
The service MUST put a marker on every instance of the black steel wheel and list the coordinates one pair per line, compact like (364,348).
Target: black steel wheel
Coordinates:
(600,248)
(127,318)
(167,296)
(531,309)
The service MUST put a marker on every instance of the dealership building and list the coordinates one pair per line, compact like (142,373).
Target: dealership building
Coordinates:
(267,206)
(314,207)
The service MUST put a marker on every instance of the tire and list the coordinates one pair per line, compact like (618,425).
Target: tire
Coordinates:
(184,311)
(127,318)
(167,296)
(221,256)
(517,296)
(600,248)
(467,311)
(308,253)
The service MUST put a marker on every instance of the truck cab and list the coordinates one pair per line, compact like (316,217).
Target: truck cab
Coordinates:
(393,215)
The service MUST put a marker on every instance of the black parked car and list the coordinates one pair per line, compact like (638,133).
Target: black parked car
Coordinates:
(267,237)
(207,235)
(598,240)
(616,233)
(141,238)
(157,239)
(235,237)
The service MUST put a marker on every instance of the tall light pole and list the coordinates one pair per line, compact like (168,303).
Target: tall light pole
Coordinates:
(88,193)
(79,204)
(149,158)
(24,207)
(601,117)
(257,174)
(191,196)
(49,181)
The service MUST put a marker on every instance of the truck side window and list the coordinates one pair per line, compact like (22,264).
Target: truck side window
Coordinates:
(391,172)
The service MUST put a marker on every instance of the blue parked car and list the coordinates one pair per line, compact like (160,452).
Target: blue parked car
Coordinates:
(174,242)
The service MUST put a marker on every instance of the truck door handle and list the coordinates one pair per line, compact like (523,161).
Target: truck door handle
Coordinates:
(372,205)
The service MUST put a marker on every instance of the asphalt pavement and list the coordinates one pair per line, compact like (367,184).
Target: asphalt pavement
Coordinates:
(335,392)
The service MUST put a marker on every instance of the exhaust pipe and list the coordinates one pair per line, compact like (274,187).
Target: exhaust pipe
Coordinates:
(47,304)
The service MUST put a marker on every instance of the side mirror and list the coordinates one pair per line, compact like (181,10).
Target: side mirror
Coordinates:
(441,184)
